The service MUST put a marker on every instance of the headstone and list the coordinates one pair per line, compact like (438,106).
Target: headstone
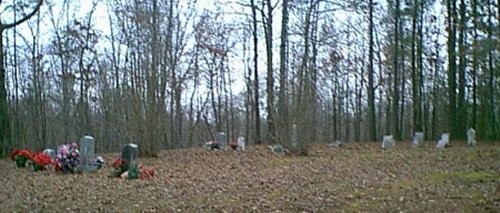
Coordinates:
(336,144)
(130,153)
(418,139)
(388,142)
(99,162)
(51,153)
(241,143)
(278,148)
(294,142)
(471,137)
(221,139)
(87,150)
(444,141)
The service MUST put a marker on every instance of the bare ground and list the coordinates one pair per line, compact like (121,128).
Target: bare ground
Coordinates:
(359,177)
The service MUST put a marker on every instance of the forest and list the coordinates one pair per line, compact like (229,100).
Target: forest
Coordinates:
(172,73)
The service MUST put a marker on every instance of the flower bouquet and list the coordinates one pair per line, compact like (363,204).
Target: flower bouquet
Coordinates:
(67,158)
(21,157)
(40,161)
(132,171)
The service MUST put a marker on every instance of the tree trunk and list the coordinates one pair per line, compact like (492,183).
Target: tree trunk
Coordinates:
(256,74)
(462,42)
(395,92)
(371,90)
(270,77)
(284,131)
(451,67)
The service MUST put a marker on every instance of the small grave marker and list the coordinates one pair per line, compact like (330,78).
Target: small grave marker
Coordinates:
(241,143)
(388,142)
(336,144)
(444,141)
(418,139)
(471,137)
(51,153)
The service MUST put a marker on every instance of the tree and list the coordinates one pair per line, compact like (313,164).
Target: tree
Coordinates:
(268,28)
(283,81)
(371,90)
(452,85)
(396,53)
(4,111)
(461,117)
(256,72)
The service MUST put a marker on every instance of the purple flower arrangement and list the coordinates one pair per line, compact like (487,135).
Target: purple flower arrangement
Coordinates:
(67,158)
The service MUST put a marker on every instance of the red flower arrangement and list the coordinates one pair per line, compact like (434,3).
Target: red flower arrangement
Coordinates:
(41,160)
(14,153)
(146,172)
(118,163)
(21,157)
(132,171)
(233,145)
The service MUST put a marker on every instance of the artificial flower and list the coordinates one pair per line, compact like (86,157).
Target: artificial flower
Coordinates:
(41,160)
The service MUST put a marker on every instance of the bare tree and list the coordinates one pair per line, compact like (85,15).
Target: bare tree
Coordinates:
(4,111)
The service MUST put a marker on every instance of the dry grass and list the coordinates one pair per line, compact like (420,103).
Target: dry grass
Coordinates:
(355,178)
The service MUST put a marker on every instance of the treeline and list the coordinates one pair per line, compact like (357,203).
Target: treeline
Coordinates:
(170,74)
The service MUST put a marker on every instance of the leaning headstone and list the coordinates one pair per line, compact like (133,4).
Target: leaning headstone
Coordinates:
(129,153)
(87,150)
(444,141)
(51,153)
(388,142)
(471,137)
(241,143)
(221,139)
(336,144)
(418,139)
(278,148)
(294,142)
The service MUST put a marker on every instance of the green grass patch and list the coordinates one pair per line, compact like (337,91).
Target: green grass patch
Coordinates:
(468,177)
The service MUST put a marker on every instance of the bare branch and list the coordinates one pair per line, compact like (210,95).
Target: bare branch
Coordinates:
(25,18)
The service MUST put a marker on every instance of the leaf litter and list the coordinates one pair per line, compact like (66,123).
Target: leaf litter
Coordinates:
(359,177)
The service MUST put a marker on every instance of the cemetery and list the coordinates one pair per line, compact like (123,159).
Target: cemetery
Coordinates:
(249,106)
(258,178)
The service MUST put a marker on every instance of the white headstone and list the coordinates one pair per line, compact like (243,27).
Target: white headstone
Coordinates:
(294,142)
(388,142)
(51,153)
(221,139)
(87,150)
(336,144)
(241,143)
(444,141)
(418,139)
(471,137)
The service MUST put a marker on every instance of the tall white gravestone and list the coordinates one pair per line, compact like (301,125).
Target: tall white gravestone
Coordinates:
(87,150)
(471,137)
(444,141)
(418,139)
(294,142)
(388,142)
(241,143)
